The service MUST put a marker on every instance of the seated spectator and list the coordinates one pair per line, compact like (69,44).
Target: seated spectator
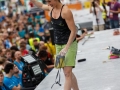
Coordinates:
(3,61)
(31,34)
(18,61)
(42,43)
(8,80)
(14,48)
(39,32)
(2,54)
(7,42)
(37,17)
(23,49)
(45,48)
(12,37)
(81,34)
(50,47)
(34,22)
(21,32)
(25,25)
(37,22)
(1,43)
(26,38)
(1,17)
(17,77)
(23,41)
(18,41)
(30,19)
(4,24)
(43,55)
(35,47)
(30,27)
(8,55)
(2,85)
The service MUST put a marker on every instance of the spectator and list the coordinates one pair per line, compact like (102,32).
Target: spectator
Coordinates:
(17,77)
(114,11)
(37,32)
(1,17)
(30,27)
(25,26)
(12,37)
(21,32)
(18,61)
(8,80)
(96,9)
(35,47)
(3,53)
(30,19)
(23,41)
(37,17)
(50,46)
(27,37)
(4,24)
(23,49)
(40,28)
(8,55)
(31,34)
(43,47)
(33,21)
(2,85)
(50,55)
(14,48)
(1,44)
(41,32)
(7,42)
(3,61)
(43,55)
(18,41)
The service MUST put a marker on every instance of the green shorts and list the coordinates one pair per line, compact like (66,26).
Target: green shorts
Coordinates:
(70,56)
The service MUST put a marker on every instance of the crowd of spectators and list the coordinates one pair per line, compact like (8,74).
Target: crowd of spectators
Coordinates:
(105,15)
(22,34)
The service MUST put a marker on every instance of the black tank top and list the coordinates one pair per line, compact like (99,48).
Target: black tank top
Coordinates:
(61,30)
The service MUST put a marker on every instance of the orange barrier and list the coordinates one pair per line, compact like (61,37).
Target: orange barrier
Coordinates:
(77,6)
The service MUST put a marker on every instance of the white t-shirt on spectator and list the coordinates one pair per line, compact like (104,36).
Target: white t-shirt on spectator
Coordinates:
(98,16)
